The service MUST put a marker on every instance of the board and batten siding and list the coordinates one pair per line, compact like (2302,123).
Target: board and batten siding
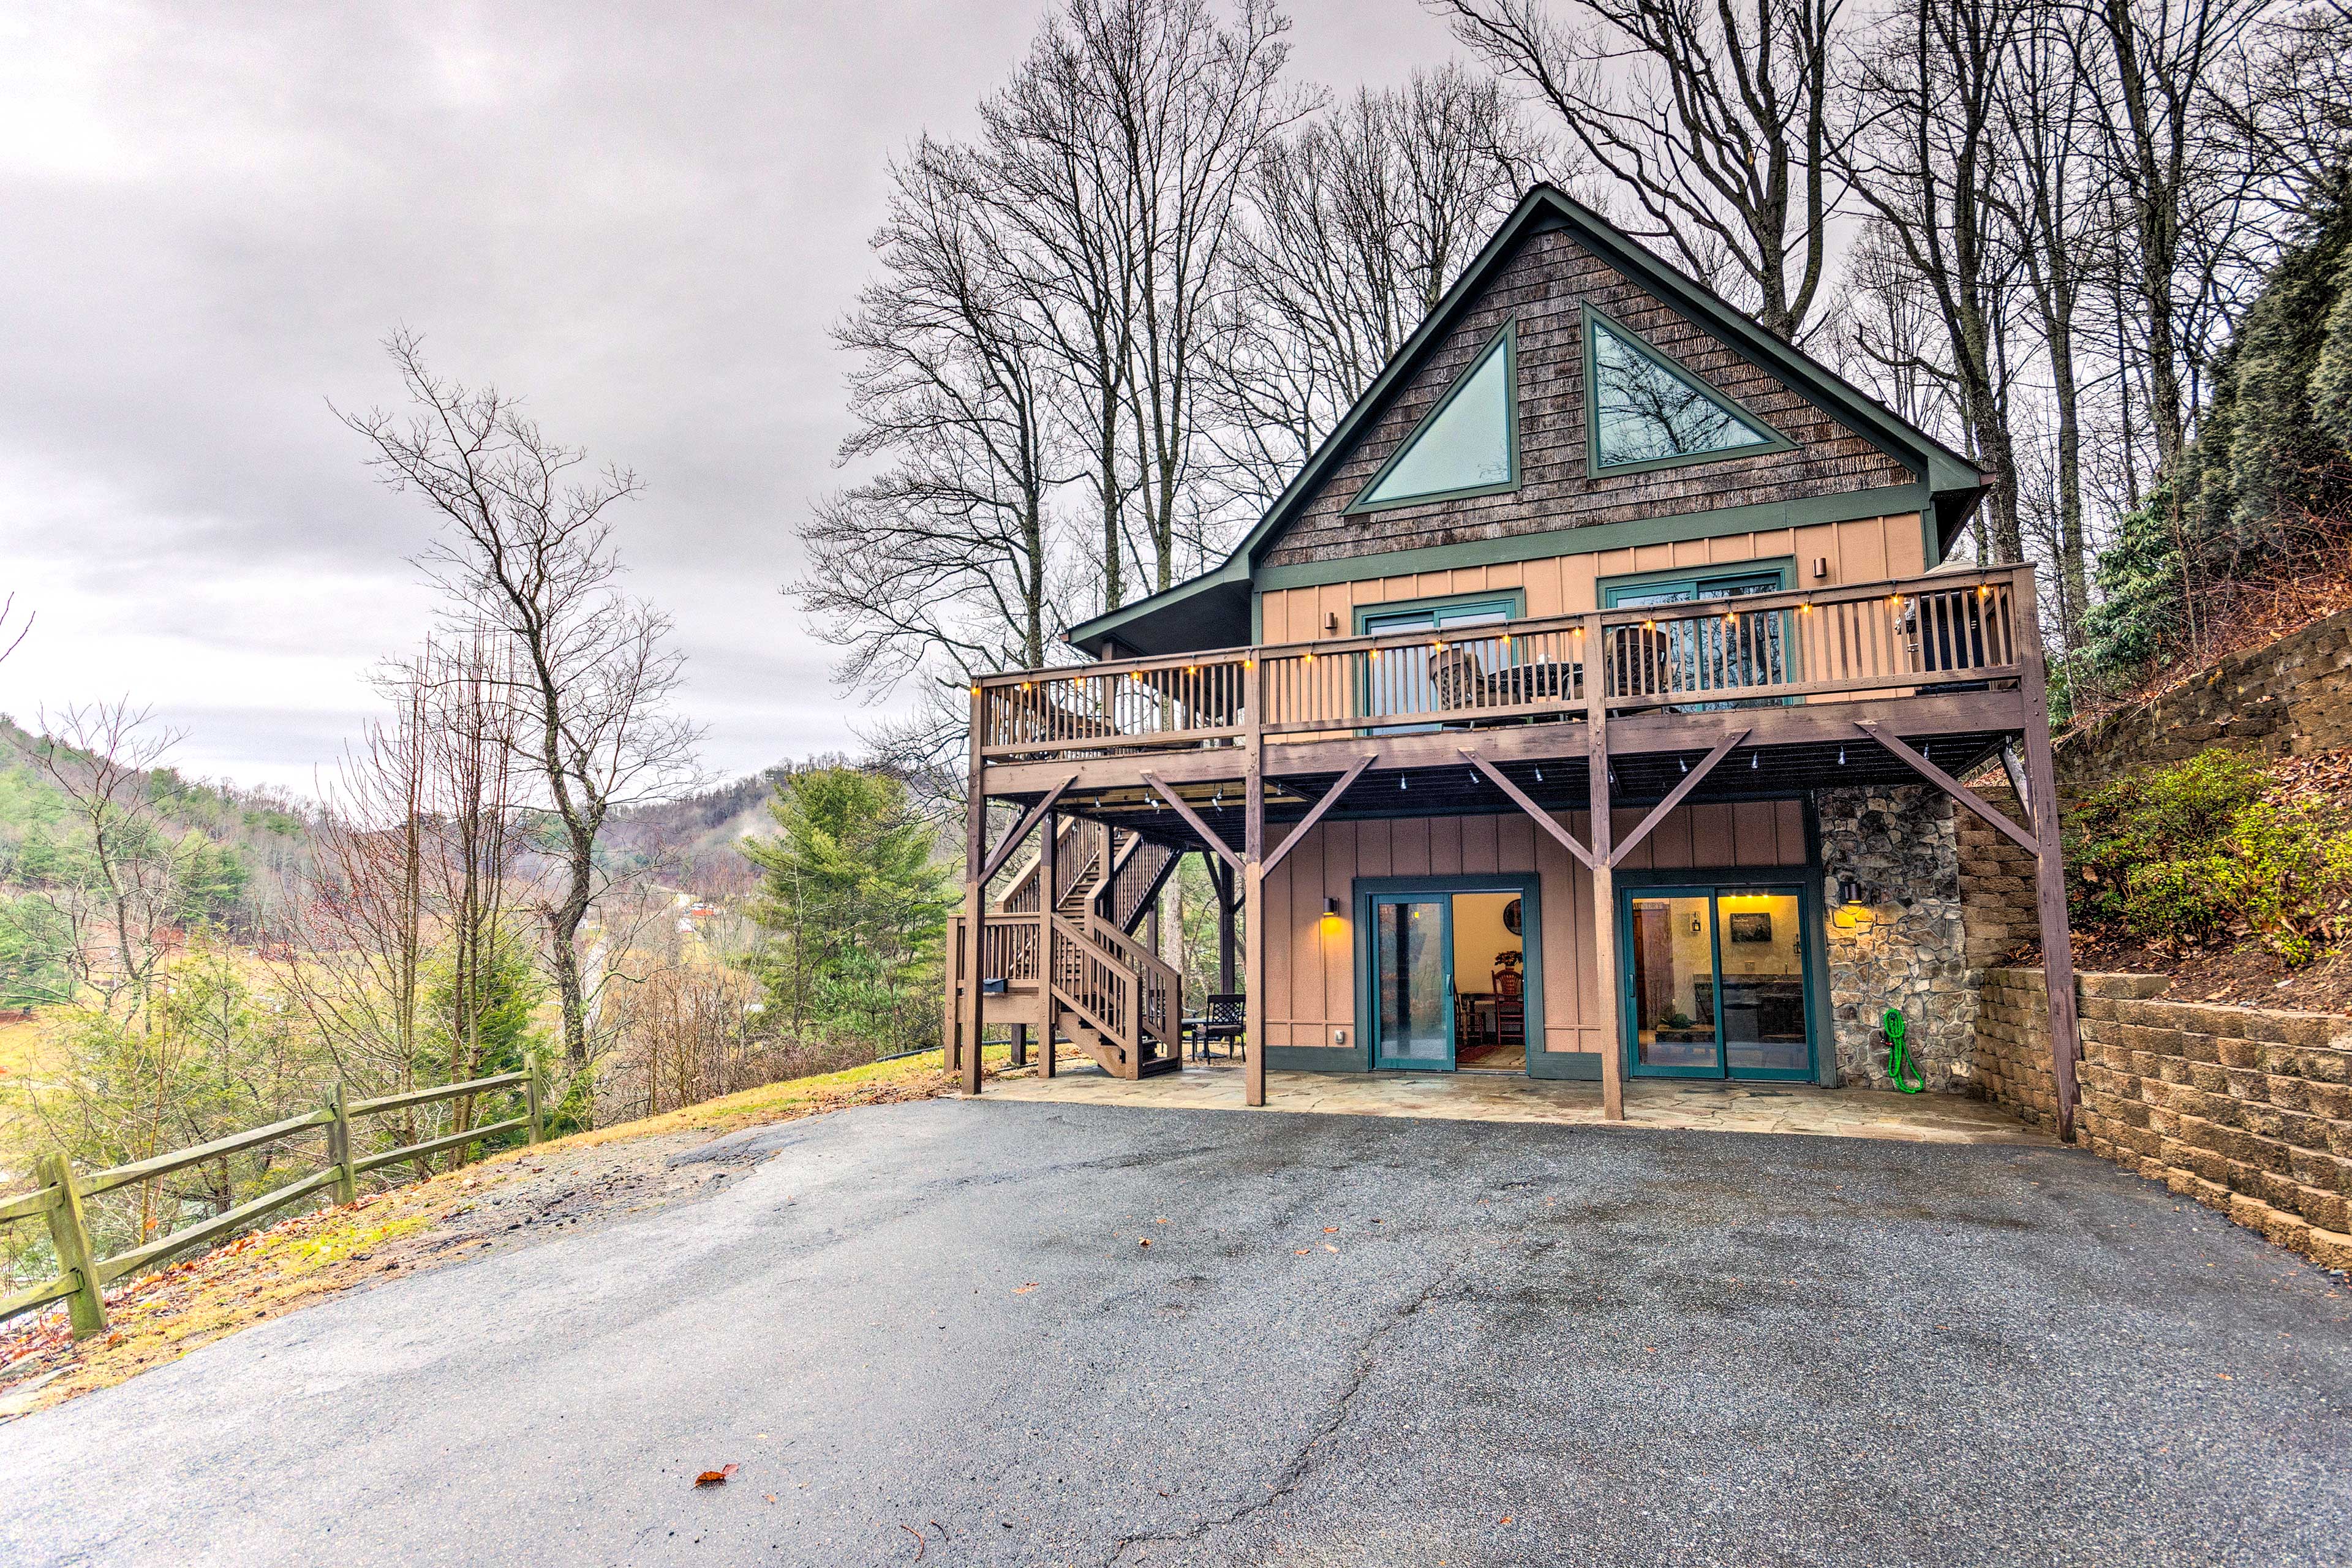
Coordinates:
(1310,960)
(1870,549)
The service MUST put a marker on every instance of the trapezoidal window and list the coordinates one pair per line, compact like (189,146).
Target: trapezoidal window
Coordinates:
(1647,412)
(1467,445)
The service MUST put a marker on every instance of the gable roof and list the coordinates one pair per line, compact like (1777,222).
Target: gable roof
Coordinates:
(1217,595)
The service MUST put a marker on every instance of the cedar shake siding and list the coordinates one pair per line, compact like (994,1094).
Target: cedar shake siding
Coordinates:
(1543,285)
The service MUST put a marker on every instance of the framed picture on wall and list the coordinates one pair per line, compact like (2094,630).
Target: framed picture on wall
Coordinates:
(1512,917)
(1753,925)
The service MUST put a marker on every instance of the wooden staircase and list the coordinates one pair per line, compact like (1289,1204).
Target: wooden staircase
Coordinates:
(1077,975)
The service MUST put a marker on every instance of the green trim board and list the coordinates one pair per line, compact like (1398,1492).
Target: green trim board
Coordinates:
(1527,885)
(1713,881)
(1454,415)
(1602,335)
(1808,512)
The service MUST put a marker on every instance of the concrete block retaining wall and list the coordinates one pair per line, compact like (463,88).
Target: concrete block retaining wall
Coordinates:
(2247,1111)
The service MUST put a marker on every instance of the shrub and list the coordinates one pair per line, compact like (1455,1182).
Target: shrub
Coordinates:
(2195,855)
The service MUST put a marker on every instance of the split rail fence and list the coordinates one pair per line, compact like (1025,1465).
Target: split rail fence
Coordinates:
(83,1277)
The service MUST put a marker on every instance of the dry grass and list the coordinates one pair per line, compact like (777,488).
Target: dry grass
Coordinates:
(470,1213)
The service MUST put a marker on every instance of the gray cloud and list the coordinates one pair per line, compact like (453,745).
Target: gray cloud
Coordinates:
(644,219)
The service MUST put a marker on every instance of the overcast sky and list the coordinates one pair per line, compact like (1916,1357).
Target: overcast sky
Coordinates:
(643,218)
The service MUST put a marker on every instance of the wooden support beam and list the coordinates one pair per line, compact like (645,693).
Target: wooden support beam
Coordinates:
(1951,786)
(1544,819)
(2050,857)
(1193,818)
(1604,887)
(1049,898)
(1221,878)
(1253,872)
(1690,781)
(1037,814)
(1330,798)
(974,1011)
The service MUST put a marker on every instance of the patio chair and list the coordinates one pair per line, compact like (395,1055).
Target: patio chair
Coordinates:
(1227,1016)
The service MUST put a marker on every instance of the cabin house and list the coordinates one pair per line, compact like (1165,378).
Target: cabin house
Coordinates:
(1586,693)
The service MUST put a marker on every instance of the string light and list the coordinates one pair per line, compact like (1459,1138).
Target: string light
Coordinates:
(1840,756)
(1401,782)
(1755,761)
(1683,763)
(1539,776)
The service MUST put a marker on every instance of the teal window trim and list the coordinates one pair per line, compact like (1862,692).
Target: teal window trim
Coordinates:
(1507,338)
(1593,469)
(1782,567)
(1713,883)
(1512,601)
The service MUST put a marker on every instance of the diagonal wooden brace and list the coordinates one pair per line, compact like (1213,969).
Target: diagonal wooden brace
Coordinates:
(1544,819)
(1208,835)
(1330,798)
(995,862)
(1951,786)
(1690,781)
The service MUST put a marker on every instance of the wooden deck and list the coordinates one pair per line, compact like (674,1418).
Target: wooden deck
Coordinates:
(1236,753)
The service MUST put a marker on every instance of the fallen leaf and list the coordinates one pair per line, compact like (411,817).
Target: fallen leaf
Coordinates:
(1304,1250)
(1024,1290)
(771,1497)
(1328,1247)
(1143,1241)
(1330,1230)
(717,1478)
(1505,1519)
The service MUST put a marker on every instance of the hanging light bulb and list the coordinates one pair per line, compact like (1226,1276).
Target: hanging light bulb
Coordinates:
(1683,763)
(1840,756)
(1401,782)
(1755,761)
(1539,775)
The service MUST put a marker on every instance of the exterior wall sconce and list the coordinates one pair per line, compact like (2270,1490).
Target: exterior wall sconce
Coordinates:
(1331,908)
(1854,901)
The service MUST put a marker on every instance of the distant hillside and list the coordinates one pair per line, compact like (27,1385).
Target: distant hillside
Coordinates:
(262,835)
(701,830)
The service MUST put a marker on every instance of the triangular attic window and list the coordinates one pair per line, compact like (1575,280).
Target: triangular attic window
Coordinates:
(1464,445)
(1649,412)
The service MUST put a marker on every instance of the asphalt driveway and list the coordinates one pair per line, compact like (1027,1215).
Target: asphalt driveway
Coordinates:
(1351,1342)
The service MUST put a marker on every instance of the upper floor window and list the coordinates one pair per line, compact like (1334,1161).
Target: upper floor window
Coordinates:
(1467,445)
(1648,412)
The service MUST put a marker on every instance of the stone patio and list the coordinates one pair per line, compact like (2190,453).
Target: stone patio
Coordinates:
(1929,1117)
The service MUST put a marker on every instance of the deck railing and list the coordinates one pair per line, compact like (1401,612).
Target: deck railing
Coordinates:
(1871,639)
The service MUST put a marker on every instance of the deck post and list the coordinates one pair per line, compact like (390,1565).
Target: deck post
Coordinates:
(2050,861)
(1253,886)
(1049,898)
(1221,878)
(1605,888)
(975,907)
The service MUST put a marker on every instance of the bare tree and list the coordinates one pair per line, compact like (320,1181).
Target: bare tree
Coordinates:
(1359,222)
(1116,154)
(527,551)
(1717,121)
(24,628)
(1929,87)
(122,903)
(945,563)
(2181,178)
(2048,192)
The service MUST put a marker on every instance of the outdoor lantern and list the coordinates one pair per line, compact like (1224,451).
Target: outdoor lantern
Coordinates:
(1853,904)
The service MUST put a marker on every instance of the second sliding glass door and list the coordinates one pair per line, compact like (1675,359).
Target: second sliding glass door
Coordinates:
(1714,982)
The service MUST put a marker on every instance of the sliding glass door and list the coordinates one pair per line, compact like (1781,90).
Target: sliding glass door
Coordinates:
(1715,982)
(1412,982)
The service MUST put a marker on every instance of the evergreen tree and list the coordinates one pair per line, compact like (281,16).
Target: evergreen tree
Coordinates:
(853,909)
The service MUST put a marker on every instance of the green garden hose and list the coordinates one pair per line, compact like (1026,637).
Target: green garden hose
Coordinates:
(1898,1056)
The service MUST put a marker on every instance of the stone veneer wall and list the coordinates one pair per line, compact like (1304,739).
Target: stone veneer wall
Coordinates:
(2247,1111)
(1900,839)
